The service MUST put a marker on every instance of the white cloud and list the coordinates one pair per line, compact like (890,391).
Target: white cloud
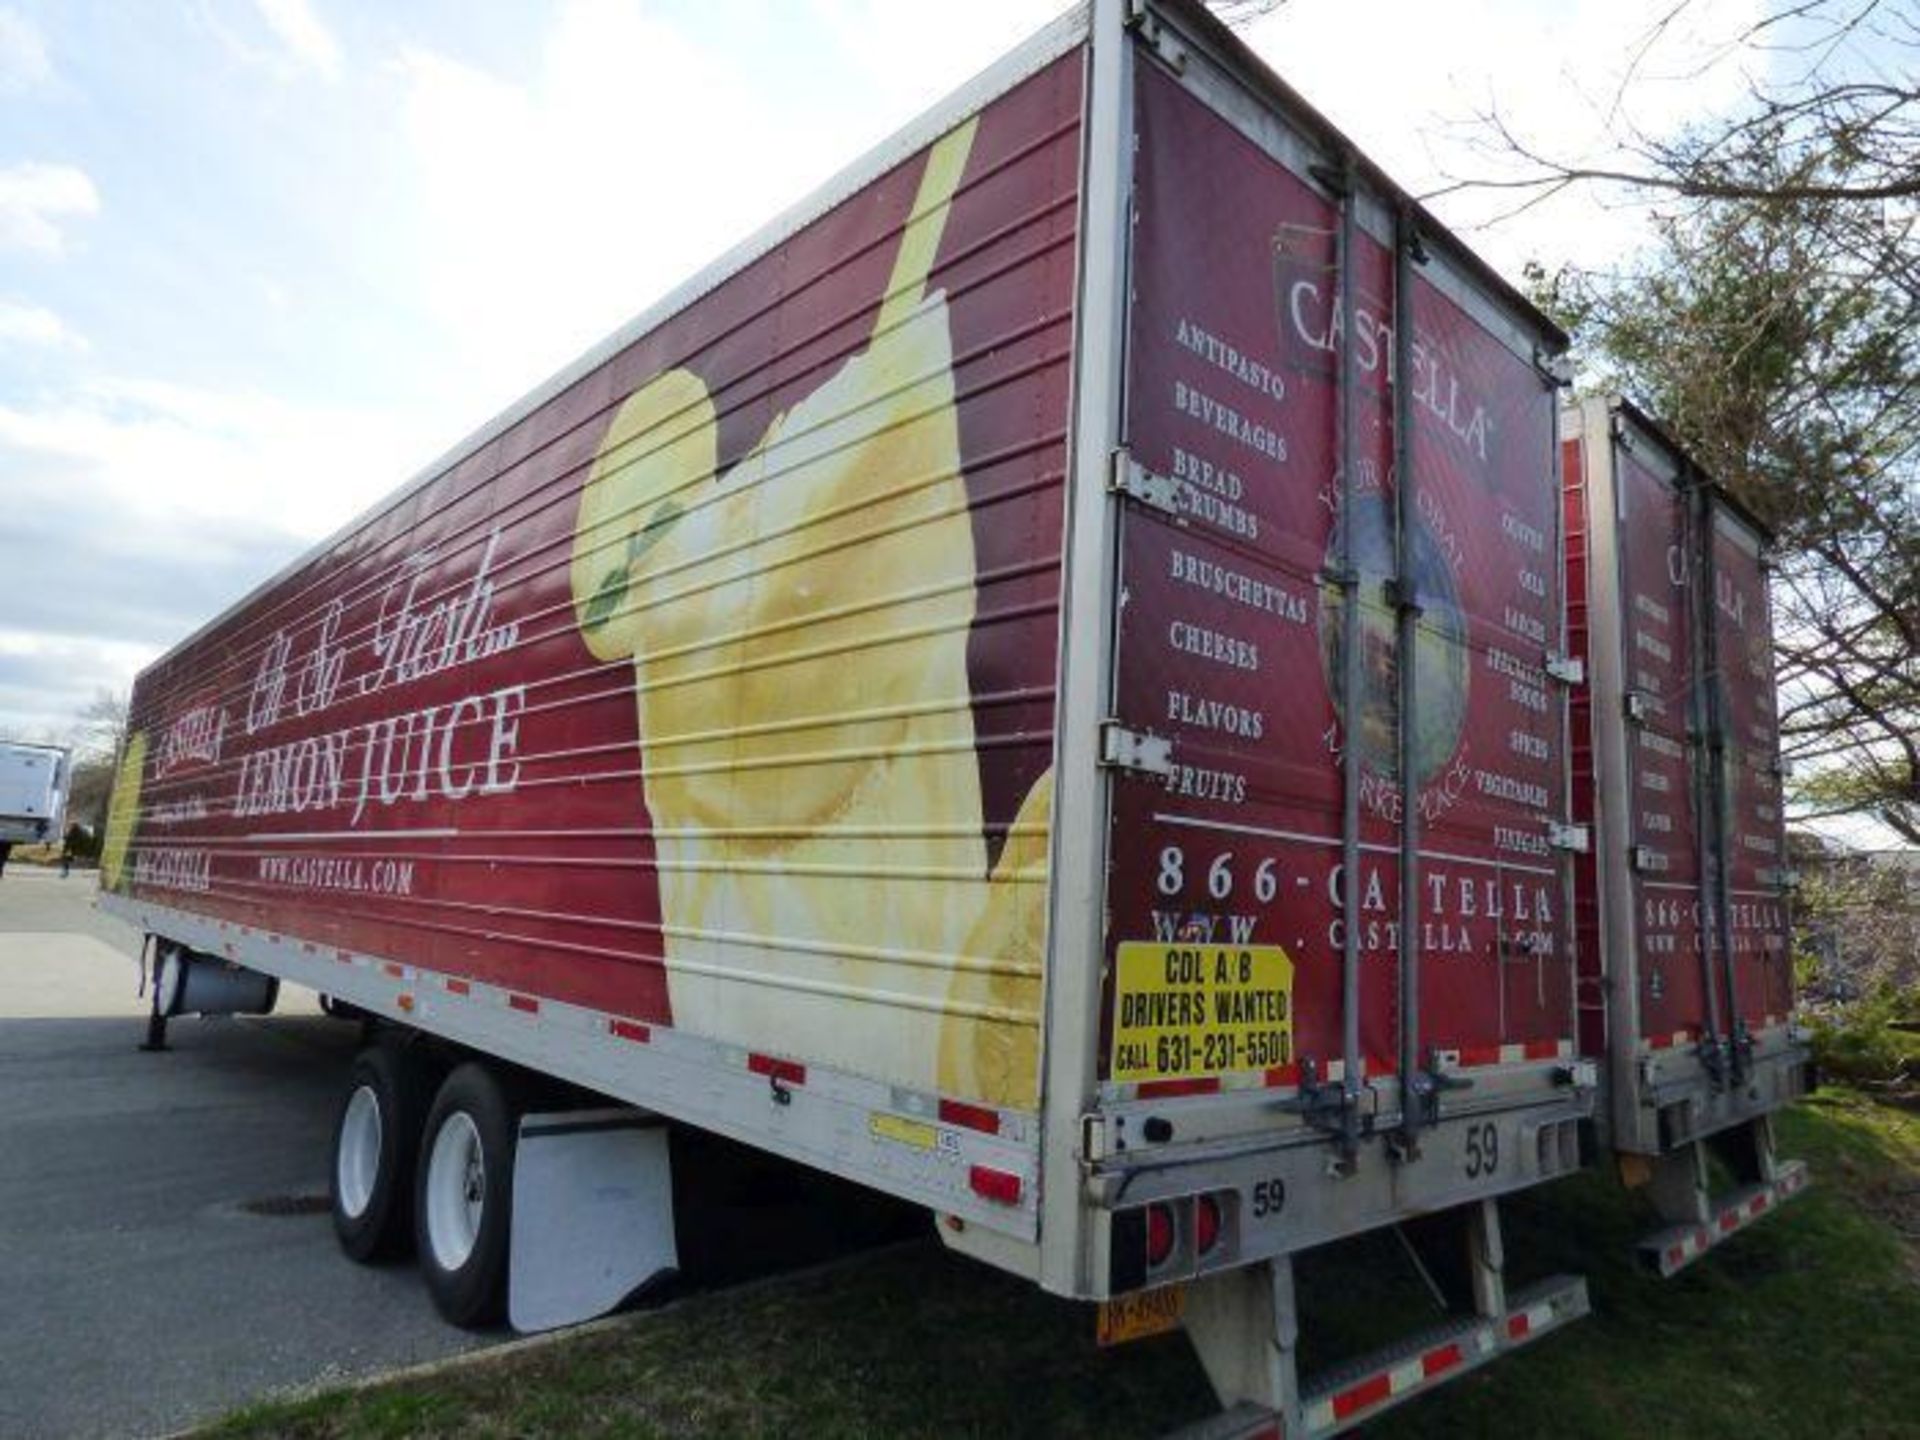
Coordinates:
(551,211)
(23,54)
(26,324)
(912,54)
(177,455)
(299,30)
(639,150)
(35,200)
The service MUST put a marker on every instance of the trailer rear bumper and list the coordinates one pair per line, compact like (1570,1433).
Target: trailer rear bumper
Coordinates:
(1280,1190)
(1666,1252)
(1669,1099)
(1360,1391)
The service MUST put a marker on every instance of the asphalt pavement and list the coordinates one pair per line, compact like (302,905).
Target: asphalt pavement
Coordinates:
(165,1251)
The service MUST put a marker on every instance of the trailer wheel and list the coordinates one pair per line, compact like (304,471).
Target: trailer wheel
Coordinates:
(463,1196)
(375,1140)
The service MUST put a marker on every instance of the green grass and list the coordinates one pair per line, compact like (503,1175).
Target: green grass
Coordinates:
(1806,1325)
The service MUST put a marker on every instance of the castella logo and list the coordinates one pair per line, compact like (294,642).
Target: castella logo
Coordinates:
(1440,654)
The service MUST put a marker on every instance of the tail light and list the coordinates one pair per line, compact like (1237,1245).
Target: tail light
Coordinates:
(1159,1236)
(1206,1224)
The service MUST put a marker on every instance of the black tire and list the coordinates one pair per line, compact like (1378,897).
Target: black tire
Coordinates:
(469,1289)
(397,1085)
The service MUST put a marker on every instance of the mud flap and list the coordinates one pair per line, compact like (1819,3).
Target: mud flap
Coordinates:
(592,1215)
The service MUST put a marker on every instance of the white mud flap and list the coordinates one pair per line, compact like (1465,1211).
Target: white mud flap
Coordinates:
(592,1214)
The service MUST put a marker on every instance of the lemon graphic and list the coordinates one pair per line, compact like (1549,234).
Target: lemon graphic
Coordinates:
(123,813)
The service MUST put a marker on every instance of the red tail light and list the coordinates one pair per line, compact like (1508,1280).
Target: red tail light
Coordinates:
(1159,1235)
(1206,1224)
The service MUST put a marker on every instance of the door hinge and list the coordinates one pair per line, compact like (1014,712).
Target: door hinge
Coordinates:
(1150,28)
(1133,480)
(1135,750)
(1576,838)
(1634,702)
(1567,669)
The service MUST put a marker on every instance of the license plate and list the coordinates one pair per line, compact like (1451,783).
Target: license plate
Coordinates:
(1136,1316)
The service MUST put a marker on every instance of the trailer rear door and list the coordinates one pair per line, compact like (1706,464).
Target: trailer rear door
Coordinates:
(1226,927)
(1747,791)
(1668,874)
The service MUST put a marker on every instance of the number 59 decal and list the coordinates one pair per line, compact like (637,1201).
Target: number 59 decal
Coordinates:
(1483,1150)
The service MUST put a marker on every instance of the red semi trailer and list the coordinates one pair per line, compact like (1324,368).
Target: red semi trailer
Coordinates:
(1684,943)
(1036,684)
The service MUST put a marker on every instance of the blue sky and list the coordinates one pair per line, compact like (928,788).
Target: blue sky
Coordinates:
(262,259)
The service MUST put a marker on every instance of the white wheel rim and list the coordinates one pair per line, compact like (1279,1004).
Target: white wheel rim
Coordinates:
(456,1190)
(358,1167)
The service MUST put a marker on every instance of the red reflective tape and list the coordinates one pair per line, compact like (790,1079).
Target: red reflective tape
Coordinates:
(787,1072)
(1675,1254)
(1436,1362)
(631,1030)
(1730,1221)
(1166,1089)
(1518,1325)
(396,971)
(1542,1049)
(459,987)
(1357,1397)
(1758,1206)
(1378,1065)
(996,1185)
(971,1117)
(1659,1042)
(1480,1055)
(1283,1075)
(524,1003)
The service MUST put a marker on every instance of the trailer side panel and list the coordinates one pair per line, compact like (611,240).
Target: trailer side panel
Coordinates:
(716,692)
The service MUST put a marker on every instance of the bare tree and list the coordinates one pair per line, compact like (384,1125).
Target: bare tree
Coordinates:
(98,732)
(1774,326)
(1840,112)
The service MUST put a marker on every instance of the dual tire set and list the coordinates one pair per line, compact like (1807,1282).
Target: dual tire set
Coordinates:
(423,1163)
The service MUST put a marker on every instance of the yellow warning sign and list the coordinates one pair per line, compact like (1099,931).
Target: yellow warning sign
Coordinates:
(1188,1011)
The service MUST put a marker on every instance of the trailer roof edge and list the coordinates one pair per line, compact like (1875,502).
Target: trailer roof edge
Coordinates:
(1742,511)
